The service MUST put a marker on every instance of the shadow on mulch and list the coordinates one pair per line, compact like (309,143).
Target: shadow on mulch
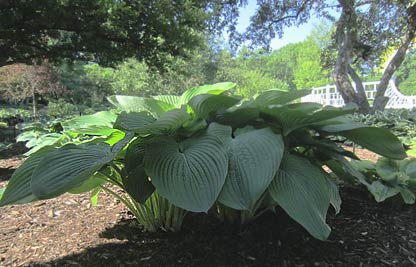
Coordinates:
(363,234)
(17,149)
(6,173)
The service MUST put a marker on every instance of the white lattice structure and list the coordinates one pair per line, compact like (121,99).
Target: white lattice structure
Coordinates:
(328,95)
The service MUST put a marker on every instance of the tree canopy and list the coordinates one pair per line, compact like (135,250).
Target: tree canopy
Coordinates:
(364,30)
(106,31)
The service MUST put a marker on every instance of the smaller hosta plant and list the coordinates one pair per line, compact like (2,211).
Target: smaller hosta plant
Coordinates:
(207,150)
(387,178)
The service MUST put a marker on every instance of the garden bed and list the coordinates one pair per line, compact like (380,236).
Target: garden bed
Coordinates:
(67,231)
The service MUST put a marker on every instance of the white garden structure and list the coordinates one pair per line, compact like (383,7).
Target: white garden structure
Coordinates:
(328,95)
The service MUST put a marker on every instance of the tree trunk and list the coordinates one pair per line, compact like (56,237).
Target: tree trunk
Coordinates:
(362,100)
(34,103)
(380,101)
(345,36)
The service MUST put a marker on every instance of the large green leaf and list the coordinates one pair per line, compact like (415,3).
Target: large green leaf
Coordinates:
(137,104)
(103,118)
(387,169)
(136,181)
(291,119)
(239,117)
(378,140)
(68,167)
(335,198)
(222,132)
(344,168)
(173,100)
(131,120)
(137,184)
(168,123)
(88,185)
(276,97)
(190,174)
(205,105)
(409,167)
(302,137)
(338,124)
(307,107)
(19,190)
(43,141)
(214,89)
(408,196)
(134,154)
(381,191)
(301,189)
(254,157)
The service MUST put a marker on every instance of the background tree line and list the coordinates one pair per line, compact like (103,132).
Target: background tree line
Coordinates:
(83,51)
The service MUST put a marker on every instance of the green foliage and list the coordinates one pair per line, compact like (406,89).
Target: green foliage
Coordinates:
(406,75)
(401,122)
(10,113)
(204,150)
(388,178)
(61,108)
(107,31)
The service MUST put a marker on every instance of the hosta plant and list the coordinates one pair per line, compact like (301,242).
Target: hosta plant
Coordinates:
(208,150)
(387,178)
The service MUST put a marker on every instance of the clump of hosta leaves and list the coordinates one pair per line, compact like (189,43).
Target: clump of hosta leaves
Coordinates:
(401,122)
(207,150)
(388,178)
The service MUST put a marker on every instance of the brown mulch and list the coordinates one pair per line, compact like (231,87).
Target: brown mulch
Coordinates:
(67,231)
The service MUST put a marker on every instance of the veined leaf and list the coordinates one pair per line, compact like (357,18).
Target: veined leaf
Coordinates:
(334,197)
(67,168)
(173,100)
(18,190)
(291,119)
(301,189)
(277,97)
(91,183)
(239,117)
(103,118)
(378,140)
(216,89)
(136,182)
(307,107)
(190,174)
(205,104)
(254,157)
(222,132)
(43,141)
(130,121)
(192,126)
(302,137)
(168,123)
(94,130)
(338,124)
(136,104)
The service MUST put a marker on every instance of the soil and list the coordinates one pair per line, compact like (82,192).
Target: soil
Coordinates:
(68,231)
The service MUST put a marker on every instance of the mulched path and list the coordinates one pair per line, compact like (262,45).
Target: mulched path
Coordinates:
(67,231)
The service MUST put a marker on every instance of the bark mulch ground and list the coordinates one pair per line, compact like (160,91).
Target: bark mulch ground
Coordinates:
(67,231)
